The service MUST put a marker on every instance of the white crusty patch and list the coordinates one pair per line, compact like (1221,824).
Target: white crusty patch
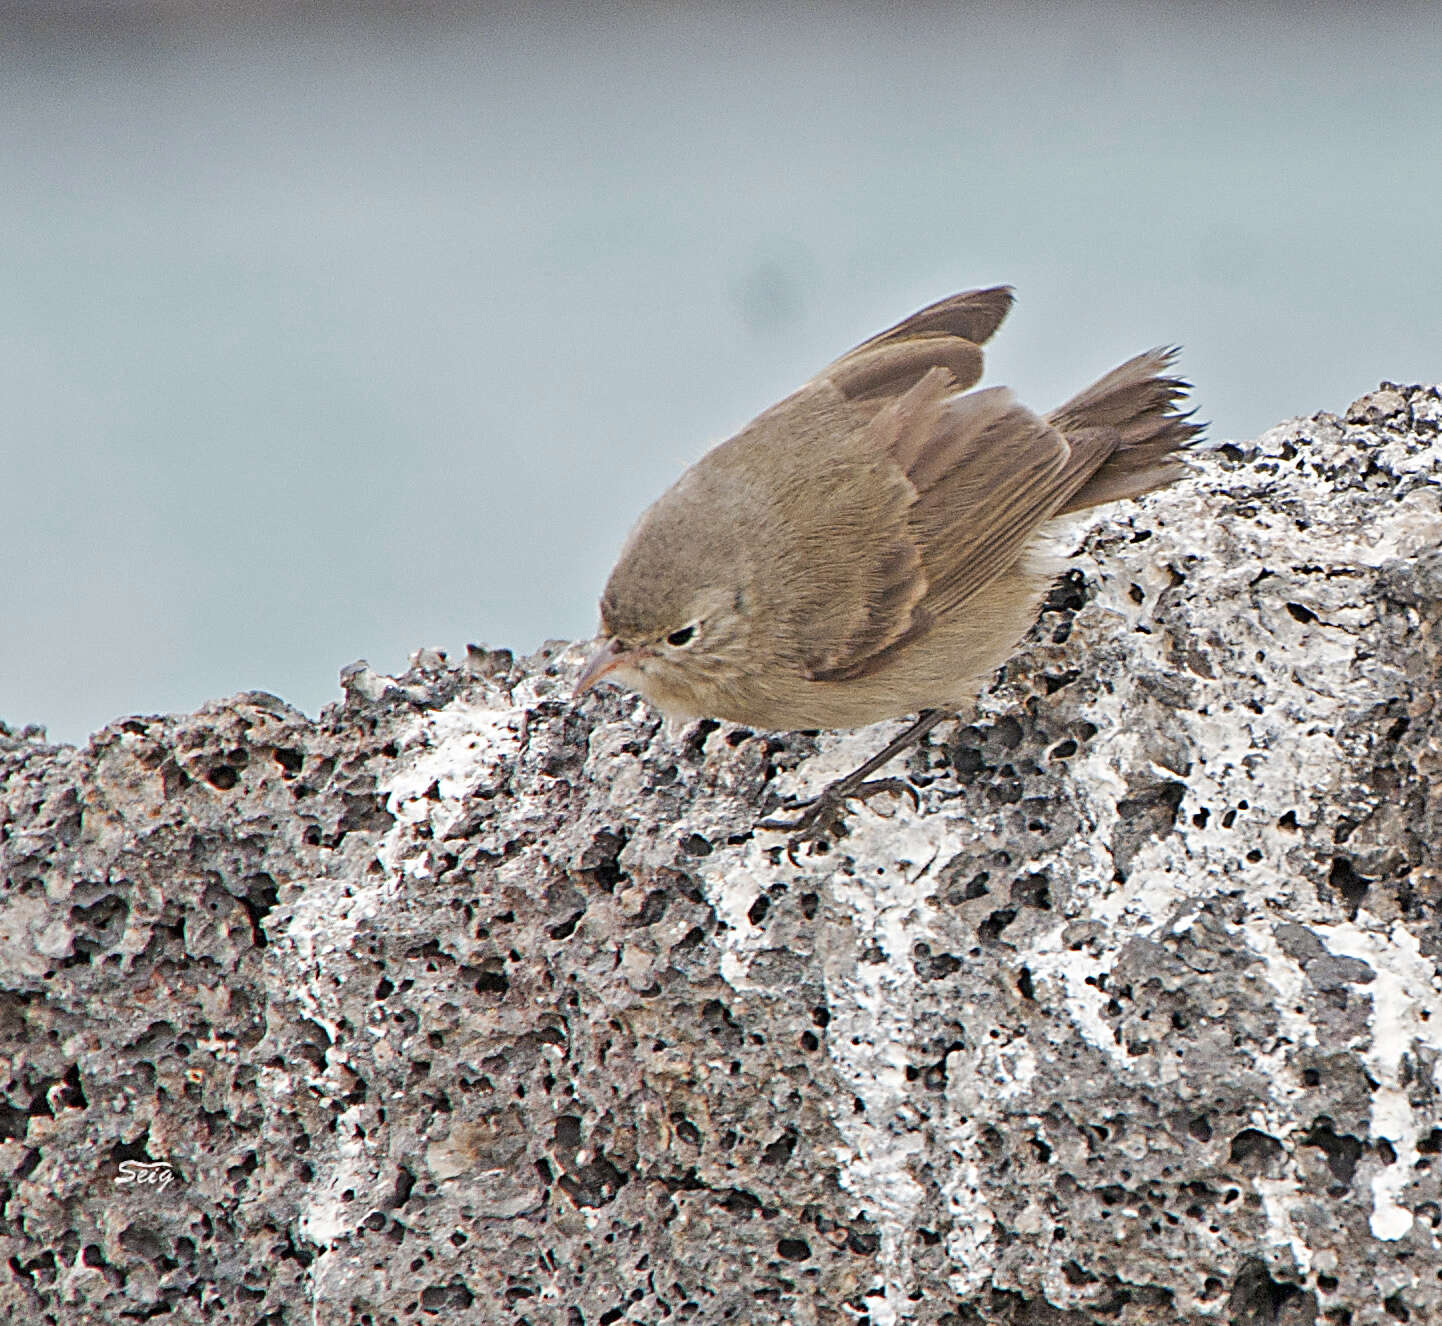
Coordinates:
(871,1031)
(1406,1013)
(448,755)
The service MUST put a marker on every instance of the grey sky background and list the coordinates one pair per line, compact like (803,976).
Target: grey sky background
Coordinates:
(333,337)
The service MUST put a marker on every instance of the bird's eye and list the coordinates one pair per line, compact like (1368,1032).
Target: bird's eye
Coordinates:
(679,639)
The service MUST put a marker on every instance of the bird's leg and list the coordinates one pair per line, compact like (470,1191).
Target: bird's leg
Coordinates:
(815,814)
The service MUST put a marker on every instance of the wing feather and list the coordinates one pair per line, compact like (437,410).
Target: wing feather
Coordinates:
(987,473)
(948,334)
(864,552)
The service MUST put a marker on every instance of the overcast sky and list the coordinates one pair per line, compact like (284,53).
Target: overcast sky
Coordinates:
(333,339)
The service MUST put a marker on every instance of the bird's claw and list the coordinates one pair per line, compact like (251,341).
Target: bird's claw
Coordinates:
(821,812)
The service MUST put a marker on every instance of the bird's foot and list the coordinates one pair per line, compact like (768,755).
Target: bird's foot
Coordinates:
(821,813)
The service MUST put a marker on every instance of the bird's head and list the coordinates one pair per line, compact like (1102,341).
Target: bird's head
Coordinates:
(674,615)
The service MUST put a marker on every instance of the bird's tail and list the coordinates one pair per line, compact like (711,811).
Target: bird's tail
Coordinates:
(1137,403)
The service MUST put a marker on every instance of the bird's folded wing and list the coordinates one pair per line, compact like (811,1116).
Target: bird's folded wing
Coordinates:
(986,473)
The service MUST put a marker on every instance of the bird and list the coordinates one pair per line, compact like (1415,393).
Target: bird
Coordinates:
(868,547)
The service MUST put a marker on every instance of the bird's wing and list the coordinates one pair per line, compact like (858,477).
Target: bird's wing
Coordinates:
(842,572)
(948,334)
(986,473)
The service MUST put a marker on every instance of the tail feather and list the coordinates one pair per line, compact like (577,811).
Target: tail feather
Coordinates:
(1135,403)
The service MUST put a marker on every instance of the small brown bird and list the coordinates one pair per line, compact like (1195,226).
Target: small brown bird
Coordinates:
(865,548)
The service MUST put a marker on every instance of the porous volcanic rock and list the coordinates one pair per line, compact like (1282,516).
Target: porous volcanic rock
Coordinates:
(466,1004)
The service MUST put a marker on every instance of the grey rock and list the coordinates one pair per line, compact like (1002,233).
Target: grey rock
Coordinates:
(1378,406)
(461,1003)
(1322,968)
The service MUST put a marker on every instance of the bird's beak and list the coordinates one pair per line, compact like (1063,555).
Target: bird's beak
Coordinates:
(607,657)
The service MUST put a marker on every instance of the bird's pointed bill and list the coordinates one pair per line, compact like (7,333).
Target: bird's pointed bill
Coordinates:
(608,657)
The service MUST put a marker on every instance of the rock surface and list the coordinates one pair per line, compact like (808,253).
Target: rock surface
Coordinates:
(462,1004)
